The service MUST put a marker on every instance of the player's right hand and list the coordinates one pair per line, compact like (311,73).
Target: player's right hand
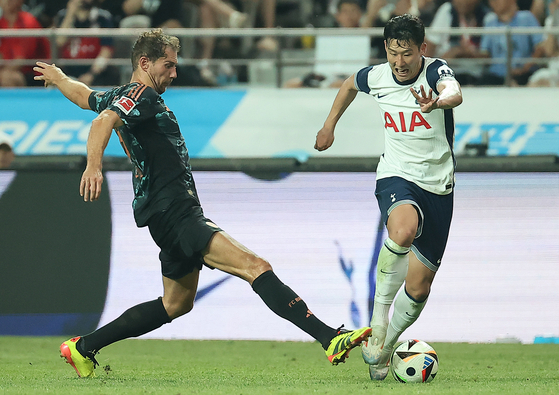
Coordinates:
(324,139)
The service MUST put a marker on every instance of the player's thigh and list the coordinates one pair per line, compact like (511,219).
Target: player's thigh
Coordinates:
(419,278)
(398,203)
(228,255)
(179,295)
(402,224)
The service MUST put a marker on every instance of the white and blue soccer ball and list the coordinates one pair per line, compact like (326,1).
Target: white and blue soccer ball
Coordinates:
(414,361)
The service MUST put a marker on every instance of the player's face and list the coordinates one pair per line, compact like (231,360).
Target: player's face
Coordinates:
(163,71)
(405,58)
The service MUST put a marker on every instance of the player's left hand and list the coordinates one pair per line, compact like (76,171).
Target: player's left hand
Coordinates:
(426,102)
(90,185)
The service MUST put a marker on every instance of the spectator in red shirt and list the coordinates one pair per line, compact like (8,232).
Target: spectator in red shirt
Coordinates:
(19,47)
(83,14)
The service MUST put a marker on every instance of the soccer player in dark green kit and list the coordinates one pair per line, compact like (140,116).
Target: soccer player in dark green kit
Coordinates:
(167,202)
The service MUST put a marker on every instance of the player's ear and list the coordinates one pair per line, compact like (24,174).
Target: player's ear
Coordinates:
(423,48)
(143,63)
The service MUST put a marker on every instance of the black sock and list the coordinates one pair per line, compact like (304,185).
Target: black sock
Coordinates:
(287,304)
(135,321)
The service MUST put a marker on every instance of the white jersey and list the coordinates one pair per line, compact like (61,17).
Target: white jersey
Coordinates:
(418,146)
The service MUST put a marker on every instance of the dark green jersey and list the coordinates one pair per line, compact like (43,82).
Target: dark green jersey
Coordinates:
(152,140)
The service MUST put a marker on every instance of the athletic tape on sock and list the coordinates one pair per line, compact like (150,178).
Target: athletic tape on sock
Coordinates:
(395,248)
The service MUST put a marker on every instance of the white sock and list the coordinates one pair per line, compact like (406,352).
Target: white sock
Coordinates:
(392,268)
(406,312)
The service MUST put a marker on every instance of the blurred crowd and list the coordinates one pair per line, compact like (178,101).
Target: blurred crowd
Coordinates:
(91,56)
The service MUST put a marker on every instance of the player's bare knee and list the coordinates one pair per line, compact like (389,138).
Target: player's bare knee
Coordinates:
(403,236)
(261,266)
(177,309)
(257,267)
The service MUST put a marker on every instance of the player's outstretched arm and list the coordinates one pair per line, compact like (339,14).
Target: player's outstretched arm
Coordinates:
(450,94)
(77,92)
(346,94)
(99,135)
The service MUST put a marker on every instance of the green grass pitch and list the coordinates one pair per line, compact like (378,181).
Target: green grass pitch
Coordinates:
(31,365)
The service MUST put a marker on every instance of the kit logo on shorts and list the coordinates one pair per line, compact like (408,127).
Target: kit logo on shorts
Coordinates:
(126,104)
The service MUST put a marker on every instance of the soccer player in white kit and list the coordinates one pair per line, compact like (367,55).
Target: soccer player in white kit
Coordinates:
(415,176)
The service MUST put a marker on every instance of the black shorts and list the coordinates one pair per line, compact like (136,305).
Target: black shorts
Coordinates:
(182,232)
(435,215)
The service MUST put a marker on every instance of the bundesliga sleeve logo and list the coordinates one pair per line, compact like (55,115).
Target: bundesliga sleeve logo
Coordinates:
(125,104)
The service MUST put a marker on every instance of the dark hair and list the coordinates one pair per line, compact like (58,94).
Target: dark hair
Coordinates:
(152,44)
(342,2)
(405,28)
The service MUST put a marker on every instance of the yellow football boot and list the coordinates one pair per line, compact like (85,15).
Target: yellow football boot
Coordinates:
(341,345)
(84,366)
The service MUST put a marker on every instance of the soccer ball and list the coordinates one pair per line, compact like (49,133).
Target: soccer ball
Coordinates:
(414,361)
